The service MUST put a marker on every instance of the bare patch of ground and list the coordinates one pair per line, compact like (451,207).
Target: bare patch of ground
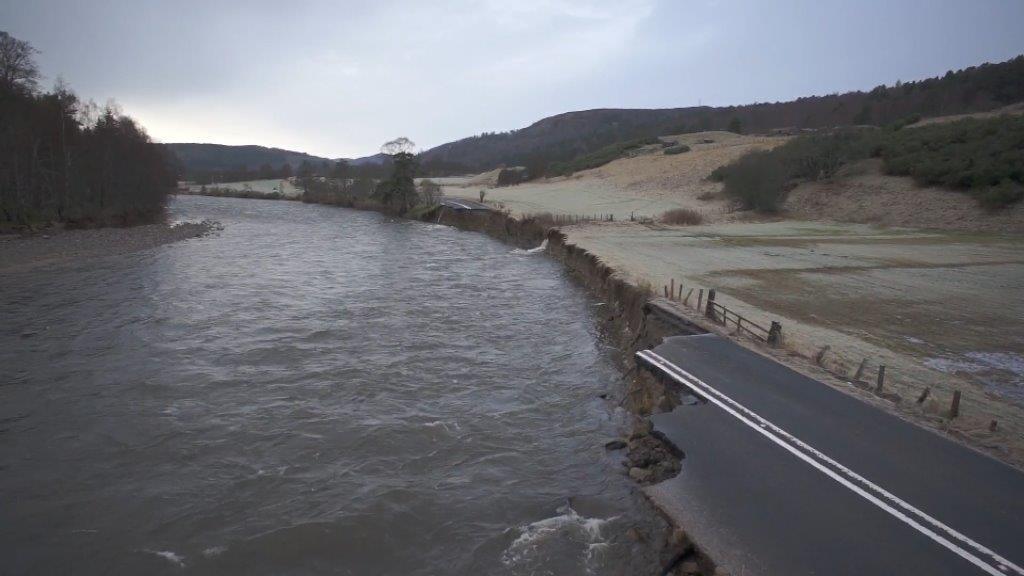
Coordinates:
(1017,108)
(941,310)
(861,193)
(56,246)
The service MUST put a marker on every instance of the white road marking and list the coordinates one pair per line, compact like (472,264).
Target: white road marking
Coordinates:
(459,204)
(842,474)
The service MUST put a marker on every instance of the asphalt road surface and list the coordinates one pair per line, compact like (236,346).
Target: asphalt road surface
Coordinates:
(461,204)
(784,475)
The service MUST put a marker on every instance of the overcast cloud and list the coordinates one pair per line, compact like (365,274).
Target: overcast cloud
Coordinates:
(338,78)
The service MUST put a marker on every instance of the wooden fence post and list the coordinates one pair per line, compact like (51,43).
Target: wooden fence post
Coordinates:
(954,408)
(688,294)
(860,370)
(924,395)
(775,334)
(672,289)
(881,379)
(700,299)
(710,310)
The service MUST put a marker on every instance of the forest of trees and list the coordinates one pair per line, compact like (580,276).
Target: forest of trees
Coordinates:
(68,161)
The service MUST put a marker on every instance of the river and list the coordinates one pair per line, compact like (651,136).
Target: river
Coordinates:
(312,390)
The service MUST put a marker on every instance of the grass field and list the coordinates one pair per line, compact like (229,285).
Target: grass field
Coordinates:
(286,188)
(939,309)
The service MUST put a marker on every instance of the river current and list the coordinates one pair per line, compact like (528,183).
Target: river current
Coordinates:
(312,390)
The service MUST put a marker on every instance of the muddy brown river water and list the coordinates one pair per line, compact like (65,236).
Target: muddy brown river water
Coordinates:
(312,390)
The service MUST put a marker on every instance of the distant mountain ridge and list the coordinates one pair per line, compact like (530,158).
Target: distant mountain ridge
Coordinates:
(221,157)
(197,158)
(377,159)
(569,135)
(565,136)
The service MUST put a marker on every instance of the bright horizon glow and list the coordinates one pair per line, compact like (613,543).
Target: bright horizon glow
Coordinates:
(337,79)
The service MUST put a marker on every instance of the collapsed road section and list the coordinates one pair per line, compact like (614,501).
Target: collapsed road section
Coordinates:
(785,475)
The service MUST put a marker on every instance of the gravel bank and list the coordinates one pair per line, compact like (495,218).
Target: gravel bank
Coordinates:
(20,252)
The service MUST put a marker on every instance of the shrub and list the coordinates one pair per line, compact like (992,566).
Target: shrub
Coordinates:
(969,154)
(1001,195)
(906,121)
(758,180)
(820,156)
(682,217)
(600,157)
(678,149)
(978,156)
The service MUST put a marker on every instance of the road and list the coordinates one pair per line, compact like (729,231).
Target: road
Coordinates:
(462,204)
(784,475)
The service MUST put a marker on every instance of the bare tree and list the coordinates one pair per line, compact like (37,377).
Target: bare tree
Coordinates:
(397,146)
(399,191)
(18,69)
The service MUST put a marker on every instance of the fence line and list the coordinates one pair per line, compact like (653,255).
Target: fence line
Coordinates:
(722,315)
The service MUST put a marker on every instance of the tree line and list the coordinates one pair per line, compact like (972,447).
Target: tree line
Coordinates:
(390,186)
(65,160)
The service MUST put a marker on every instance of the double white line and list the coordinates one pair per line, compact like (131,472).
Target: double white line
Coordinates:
(985,559)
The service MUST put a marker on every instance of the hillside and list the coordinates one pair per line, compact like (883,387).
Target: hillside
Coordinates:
(221,158)
(565,136)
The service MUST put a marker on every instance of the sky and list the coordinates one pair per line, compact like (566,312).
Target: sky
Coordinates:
(337,78)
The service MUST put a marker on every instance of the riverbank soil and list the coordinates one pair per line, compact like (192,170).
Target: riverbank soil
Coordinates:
(941,310)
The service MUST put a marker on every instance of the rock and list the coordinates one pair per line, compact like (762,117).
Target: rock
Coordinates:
(634,535)
(603,396)
(614,445)
(644,428)
(679,539)
(665,404)
(689,567)
(645,452)
(640,474)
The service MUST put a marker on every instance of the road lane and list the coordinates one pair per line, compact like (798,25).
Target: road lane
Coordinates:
(735,477)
